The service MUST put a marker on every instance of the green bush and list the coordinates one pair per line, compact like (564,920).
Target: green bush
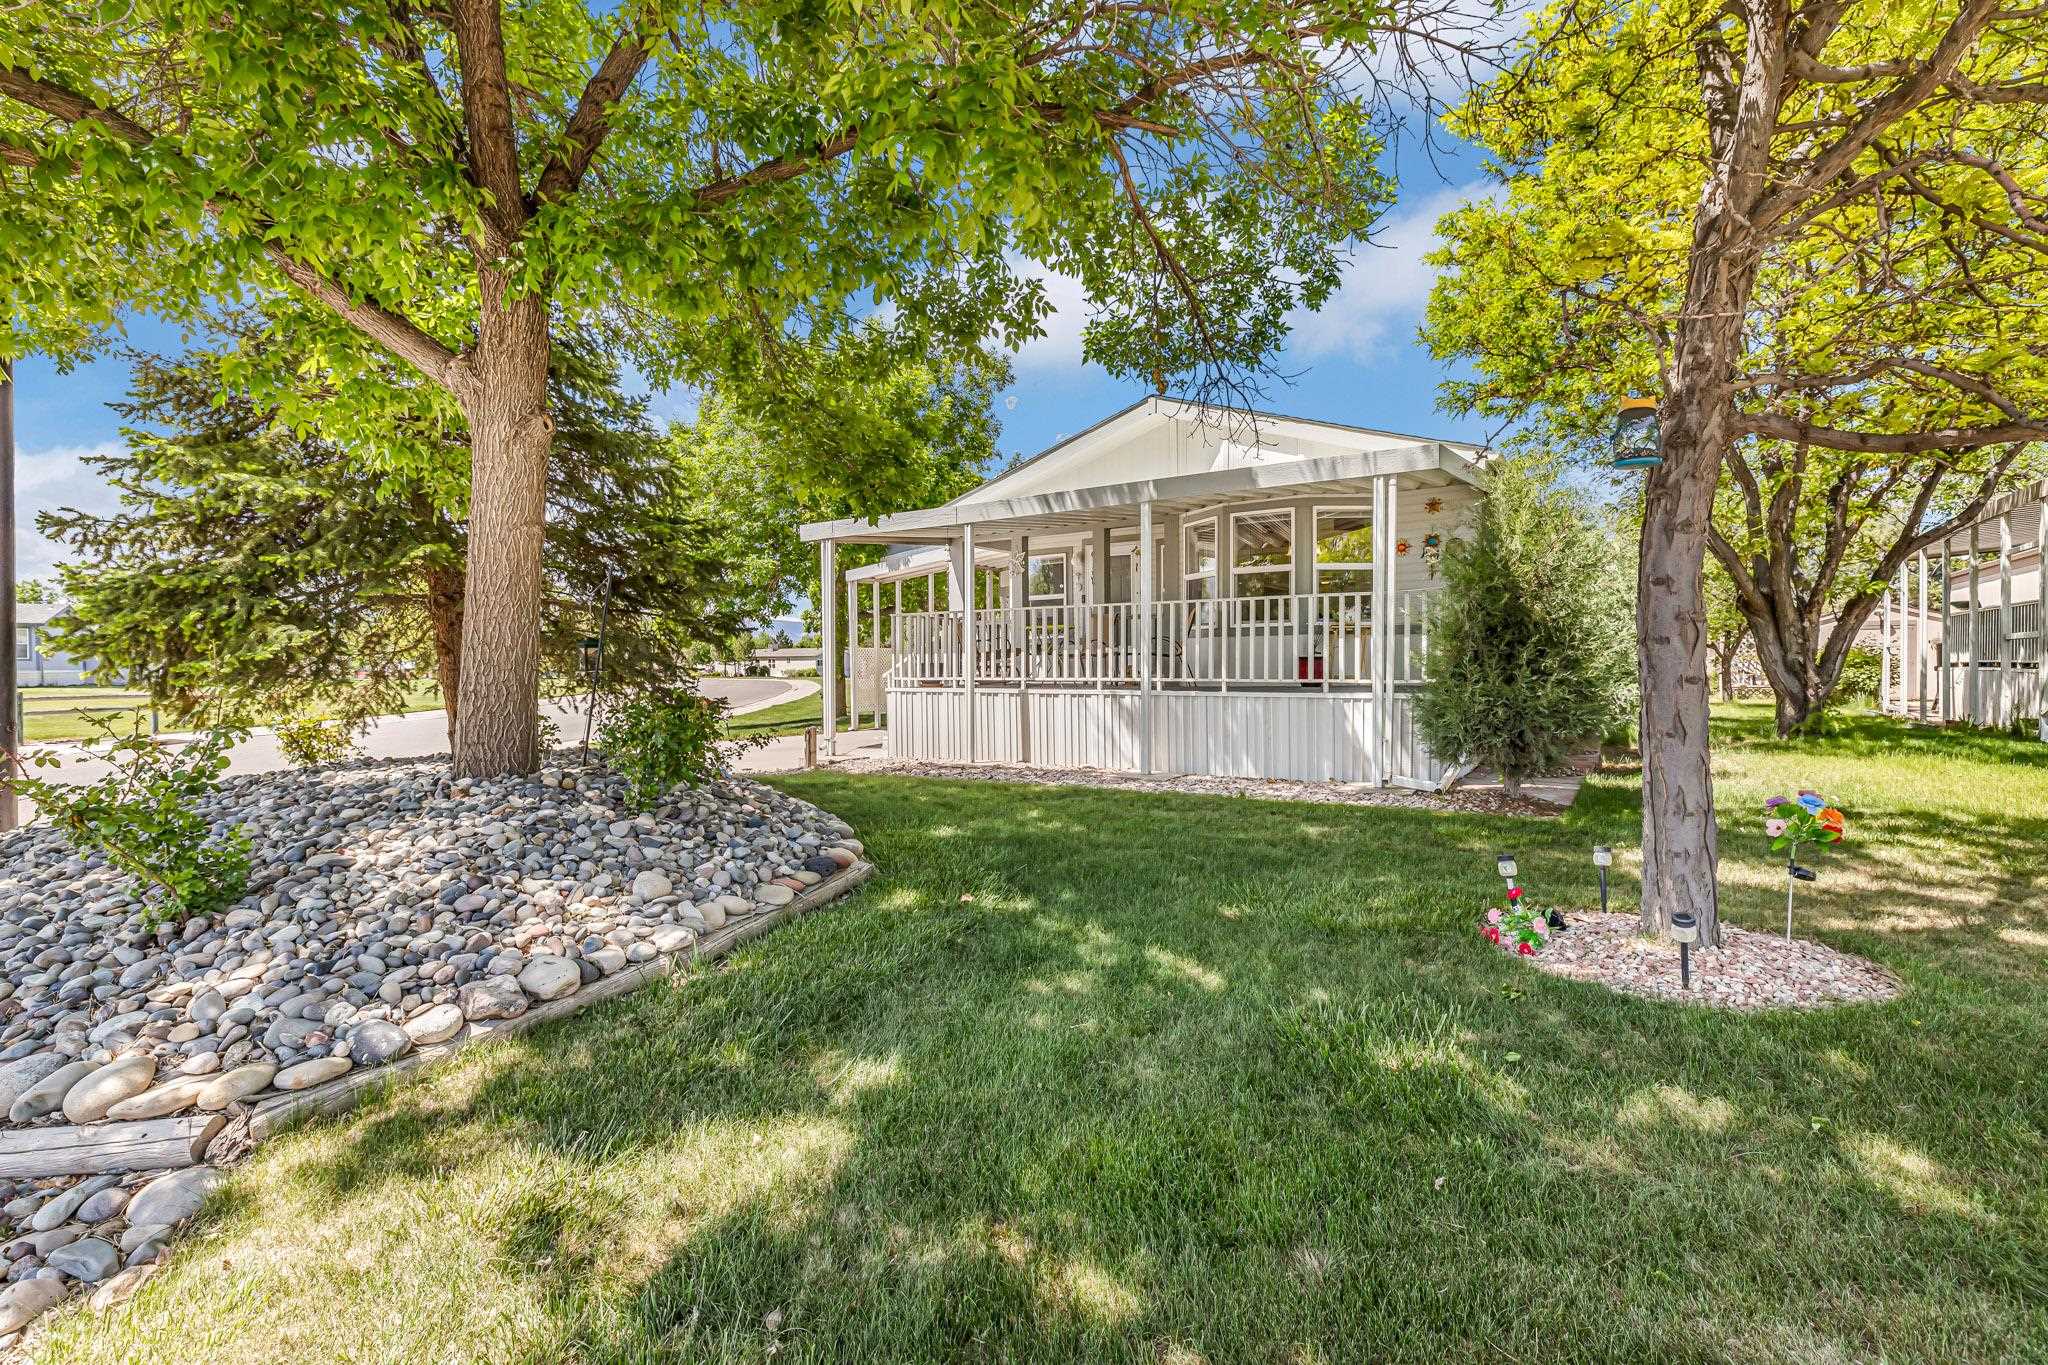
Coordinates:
(143,816)
(313,740)
(661,738)
(1862,669)
(1531,643)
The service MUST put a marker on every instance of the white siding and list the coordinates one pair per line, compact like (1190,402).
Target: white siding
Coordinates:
(1314,736)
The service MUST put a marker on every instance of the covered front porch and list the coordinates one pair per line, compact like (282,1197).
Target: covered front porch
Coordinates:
(1265,621)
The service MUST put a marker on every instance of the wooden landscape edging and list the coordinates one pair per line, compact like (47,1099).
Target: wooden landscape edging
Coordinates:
(91,1149)
(345,1093)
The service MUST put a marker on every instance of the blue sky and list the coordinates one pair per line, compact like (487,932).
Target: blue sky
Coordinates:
(1355,361)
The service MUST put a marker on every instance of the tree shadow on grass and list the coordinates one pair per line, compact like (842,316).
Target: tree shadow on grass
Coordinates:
(1243,1102)
(1089,1076)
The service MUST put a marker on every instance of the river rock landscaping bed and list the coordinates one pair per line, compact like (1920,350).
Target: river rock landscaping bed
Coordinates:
(392,909)
(1750,971)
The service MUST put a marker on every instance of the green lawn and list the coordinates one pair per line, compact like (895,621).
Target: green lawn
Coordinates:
(783,718)
(57,713)
(1097,1076)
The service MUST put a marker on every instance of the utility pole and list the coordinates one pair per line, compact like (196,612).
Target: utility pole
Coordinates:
(10,703)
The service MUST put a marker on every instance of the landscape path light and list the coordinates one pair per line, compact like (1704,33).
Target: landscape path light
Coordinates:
(1603,858)
(1685,931)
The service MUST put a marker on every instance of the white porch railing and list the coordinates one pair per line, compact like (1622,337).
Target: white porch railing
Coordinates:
(1310,638)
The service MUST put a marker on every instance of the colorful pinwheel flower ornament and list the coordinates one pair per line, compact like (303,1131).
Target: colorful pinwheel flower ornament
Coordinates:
(1805,819)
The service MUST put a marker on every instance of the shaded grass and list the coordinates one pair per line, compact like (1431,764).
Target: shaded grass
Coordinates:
(1110,1076)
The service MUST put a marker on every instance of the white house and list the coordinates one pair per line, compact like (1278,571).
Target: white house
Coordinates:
(35,664)
(1177,589)
(786,661)
(1961,626)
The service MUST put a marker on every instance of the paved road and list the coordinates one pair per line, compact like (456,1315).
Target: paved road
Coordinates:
(426,732)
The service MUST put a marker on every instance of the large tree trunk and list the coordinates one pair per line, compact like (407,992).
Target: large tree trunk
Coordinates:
(497,716)
(444,618)
(1680,843)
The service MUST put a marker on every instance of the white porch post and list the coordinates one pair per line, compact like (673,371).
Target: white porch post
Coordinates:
(1884,653)
(828,580)
(2007,693)
(1143,565)
(852,652)
(1920,658)
(967,637)
(1948,630)
(1970,687)
(1383,584)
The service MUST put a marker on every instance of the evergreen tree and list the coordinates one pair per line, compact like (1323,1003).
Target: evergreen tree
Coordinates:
(259,570)
(1529,647)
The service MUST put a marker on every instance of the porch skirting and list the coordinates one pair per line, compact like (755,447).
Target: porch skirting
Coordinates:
(1311,736)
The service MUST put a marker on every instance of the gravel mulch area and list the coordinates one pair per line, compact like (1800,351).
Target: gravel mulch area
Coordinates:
(1751,971)
(1264,789)
(391,907)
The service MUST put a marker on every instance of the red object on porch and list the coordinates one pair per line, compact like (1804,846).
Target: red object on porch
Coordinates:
(1302,661)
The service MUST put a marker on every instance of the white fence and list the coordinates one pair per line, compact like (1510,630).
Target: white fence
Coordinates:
(1306,736)
(1312,638)
(2007,677)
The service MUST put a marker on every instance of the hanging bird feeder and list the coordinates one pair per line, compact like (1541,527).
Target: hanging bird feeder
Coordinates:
(1638,440)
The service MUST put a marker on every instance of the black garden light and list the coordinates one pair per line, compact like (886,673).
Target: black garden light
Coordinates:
(1685,931)
(1603,858)
(1638,439)
(592,650)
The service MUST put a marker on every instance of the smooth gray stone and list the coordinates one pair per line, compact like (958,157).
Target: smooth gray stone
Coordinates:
(47,1095)
(89,1259)
(172,1198)
(17,1078)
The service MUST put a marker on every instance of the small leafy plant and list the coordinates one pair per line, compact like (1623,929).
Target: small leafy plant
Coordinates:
(313,740)
(1523,926)
(143,815)
(660,738)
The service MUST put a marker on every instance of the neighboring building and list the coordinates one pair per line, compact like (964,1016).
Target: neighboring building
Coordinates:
(1937,665)
(786,661)
(36,665)
(1178,589)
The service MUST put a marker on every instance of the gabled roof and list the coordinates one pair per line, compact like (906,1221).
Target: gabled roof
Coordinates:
(1112,505)
(1157,411)
(38,613)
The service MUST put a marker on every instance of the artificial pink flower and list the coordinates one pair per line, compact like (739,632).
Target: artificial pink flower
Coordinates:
(1492,934)
(1525,950)
(1541,926)
(1514,893)
(1493,917)
(1773,828)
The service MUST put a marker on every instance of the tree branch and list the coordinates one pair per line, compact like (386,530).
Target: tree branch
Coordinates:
(1899,101)
(588,127)
(1889,443)
(390,330)
(486,97)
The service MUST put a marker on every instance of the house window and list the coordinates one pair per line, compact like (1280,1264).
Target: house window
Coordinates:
(1198,559)
(1344,549)
(1262,554)
(1045,581)
(24,640)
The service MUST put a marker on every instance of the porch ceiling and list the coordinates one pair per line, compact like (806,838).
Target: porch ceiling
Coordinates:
(1090,509)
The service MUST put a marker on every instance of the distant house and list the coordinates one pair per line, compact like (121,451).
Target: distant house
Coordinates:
(784,662)
(34,664)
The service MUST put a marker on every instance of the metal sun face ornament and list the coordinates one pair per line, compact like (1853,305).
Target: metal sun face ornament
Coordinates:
(1638,438)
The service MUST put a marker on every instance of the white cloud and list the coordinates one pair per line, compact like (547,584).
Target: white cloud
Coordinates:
(1384,289)
(1060,347)
(45,481)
